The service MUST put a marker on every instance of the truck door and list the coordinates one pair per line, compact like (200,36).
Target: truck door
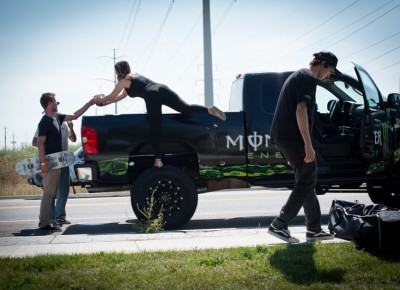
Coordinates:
(376,137)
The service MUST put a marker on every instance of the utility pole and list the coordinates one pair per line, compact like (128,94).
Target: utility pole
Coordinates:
(13,142)
(114,58)
(115,84)
(208,73)
(5,138)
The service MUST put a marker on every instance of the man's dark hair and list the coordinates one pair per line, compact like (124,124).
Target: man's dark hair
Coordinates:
(325,56)
(46,98)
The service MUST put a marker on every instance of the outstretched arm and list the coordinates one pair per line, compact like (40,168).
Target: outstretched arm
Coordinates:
(80,112)
(116,95)
(118,98)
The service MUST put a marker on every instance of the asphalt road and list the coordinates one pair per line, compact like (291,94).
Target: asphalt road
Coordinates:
(112,213)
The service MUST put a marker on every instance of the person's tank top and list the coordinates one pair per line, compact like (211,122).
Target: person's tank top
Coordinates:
(140,86)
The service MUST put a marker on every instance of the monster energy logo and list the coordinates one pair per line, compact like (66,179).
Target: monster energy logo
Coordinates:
(254,141)
(382,139)
(385,131)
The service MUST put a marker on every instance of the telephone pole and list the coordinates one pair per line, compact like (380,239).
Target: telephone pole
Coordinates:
(5,138)
(13,142)
(114,58)
(208,73)
(115,83)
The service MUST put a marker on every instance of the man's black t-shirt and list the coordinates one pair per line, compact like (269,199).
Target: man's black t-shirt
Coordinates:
(52,131)
(299,87)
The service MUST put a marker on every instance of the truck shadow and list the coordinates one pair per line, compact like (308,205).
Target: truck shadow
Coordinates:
(100,228)
(244,222)
(127,227)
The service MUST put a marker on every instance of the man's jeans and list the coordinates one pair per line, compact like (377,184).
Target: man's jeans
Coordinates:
(50,181)
(303,193)
(60,199)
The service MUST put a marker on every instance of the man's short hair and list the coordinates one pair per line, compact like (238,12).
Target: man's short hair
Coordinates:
(326,56)
(46,98)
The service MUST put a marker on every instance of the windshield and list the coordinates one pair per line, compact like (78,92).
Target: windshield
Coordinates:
(351,92)
(371,91)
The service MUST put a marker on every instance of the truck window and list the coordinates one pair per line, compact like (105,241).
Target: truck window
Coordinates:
(271,86)
(371,92)
(235,101)
(322,97)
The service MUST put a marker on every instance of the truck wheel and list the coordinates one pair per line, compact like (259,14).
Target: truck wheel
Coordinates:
(387,194)
(173,191)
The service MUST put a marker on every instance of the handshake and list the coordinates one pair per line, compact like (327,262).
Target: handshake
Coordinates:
(99,100)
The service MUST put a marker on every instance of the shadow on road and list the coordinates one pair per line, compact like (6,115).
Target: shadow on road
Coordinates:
(126,227)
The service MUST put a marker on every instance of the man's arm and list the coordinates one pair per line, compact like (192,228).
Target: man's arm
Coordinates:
(72,135)
(80,112)
(42,154)
(117,94)
(34,142)
(302,123)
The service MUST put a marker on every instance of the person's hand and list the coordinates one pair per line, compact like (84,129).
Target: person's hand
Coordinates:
(93,101)
(45,167)
(70,124)
(310,154)
(98,100)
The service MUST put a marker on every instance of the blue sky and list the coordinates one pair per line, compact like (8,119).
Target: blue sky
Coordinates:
(67,47)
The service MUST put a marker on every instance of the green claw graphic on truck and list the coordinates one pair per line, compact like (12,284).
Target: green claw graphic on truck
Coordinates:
(115,167)
(243,171)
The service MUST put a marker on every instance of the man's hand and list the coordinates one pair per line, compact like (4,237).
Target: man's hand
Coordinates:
(310,154)
(45,167)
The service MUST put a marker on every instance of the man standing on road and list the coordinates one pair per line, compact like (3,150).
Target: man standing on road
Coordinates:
(57,212)
(49,141)
(290,132)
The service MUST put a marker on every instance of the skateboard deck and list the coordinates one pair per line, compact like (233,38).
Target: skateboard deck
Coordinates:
(56,160)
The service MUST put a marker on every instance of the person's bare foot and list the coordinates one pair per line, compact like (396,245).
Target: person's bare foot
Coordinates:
(158,163)
(213,110)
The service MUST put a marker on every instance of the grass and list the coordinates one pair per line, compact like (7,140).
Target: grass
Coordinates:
(310,266)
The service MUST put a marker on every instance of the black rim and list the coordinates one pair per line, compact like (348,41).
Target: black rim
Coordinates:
(168,195)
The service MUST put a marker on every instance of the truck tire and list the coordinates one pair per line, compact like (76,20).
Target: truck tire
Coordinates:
(387,194)
(173,191)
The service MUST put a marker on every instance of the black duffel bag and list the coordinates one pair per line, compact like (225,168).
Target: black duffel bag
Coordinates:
(369,226)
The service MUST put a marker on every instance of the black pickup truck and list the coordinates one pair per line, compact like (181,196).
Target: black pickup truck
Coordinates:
(356,138)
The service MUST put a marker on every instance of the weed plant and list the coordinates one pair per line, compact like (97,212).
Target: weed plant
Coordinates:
(153,221)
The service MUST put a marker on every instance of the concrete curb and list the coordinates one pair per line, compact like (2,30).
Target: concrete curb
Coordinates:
(58,244)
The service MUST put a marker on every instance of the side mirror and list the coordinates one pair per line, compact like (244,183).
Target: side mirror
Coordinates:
(393,100)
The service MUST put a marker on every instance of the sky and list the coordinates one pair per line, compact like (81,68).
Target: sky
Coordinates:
(69,48)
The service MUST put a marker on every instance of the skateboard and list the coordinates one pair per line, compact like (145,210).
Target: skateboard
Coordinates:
(56,160)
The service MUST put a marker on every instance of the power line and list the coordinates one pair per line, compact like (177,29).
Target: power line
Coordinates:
(158,34)
(372,45)
(386,67)
(364,26)
(133,24)
(345,27)
(127,23)
(383,54)
(224,15)
(182,44)
(221,19)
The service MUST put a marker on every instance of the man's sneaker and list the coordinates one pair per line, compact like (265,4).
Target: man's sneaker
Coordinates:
(283,234)
(51,228)
(63,221)
(218,113)
(313,236)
